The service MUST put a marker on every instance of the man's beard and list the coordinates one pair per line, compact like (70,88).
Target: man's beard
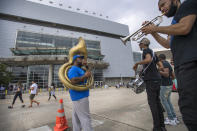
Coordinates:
(172,11)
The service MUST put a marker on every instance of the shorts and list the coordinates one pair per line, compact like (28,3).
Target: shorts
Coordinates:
(32,96)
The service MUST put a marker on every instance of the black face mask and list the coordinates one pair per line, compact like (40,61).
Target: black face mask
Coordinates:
(172,11)
(141,49)
(79,64)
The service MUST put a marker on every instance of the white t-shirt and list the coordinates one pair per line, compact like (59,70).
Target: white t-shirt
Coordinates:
(35,88)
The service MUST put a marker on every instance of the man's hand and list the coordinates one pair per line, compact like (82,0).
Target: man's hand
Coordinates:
(161,69)
(144,23)
(172,61)
(149,29)
(135,66)
(87,74)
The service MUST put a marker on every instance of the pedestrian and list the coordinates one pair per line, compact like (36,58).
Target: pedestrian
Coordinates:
(18,93)
(52,91)
(165,92)
(33,93)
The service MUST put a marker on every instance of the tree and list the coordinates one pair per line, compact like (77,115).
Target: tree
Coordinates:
(5,75)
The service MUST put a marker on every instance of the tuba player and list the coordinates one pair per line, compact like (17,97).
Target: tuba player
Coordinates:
(81,113)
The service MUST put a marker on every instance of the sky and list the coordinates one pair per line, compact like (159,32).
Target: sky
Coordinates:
(129,12)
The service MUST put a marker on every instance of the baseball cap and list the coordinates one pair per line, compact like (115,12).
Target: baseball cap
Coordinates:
(145,41)
(77,56)
(162,56)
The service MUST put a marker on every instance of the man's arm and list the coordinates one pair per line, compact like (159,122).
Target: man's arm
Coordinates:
(182,28)
(173,75)
(162,41)
(160,65)
(147,60)
(165,72)
(77,80)
(32,88)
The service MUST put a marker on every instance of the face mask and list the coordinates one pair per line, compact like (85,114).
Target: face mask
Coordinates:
(172,11)
(79,63)
(141,49)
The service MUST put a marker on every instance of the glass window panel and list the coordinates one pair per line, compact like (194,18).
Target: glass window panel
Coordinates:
(29,39)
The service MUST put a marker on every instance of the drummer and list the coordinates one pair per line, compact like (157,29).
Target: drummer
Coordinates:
(152,79)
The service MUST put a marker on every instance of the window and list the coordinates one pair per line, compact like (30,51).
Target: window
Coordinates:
(45,44)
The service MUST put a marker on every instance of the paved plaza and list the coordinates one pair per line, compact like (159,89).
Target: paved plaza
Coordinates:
(111,110)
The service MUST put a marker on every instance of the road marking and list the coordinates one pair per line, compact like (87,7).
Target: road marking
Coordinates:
(42,128)
(96,123)
(144,105)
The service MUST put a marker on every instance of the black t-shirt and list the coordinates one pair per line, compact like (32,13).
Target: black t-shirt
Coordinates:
(184,48)
(151,72)
(167,81)
(18,89)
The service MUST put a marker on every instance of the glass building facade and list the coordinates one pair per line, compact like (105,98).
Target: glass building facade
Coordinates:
(29,43)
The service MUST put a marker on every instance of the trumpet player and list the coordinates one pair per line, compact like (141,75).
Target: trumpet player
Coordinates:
(152,79)
(81,113)
(182,39)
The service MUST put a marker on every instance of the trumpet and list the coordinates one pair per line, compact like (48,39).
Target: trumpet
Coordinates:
(138,34)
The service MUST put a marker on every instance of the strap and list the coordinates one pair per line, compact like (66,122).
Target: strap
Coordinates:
(148,64)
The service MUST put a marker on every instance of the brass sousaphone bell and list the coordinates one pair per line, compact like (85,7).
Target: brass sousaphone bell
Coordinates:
(79,49)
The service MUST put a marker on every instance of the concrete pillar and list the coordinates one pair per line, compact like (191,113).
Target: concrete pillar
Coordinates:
(28,72)
(50,77)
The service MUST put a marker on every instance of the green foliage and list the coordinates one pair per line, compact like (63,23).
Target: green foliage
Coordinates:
(5,75)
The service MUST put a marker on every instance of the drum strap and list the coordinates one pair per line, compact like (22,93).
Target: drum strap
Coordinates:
(148,65)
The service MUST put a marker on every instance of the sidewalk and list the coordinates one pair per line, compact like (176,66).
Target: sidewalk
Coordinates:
(111,110)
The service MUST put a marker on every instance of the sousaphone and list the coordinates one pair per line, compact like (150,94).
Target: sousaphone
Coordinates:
(79,49)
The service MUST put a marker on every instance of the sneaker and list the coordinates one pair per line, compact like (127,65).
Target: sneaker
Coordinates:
(10,107)
(167,121)
(172,123)
(176,120)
